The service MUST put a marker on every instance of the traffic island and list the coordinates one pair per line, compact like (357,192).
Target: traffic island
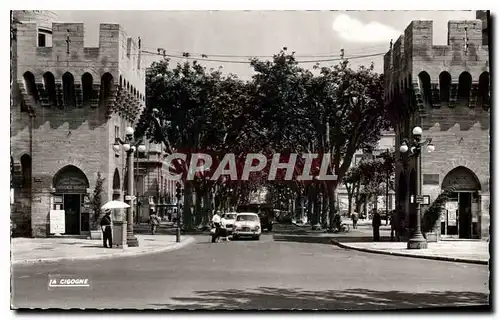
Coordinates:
(42,250)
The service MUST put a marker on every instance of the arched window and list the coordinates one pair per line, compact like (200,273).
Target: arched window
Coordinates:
(121,82)
(106,87)
(87,84)
(49,83)
(464,86)
(30,85)
(425,86)
(484,89)
(26,169)
(69,90)
(116,180)
(444,86)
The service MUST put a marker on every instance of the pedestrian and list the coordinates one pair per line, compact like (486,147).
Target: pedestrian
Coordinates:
(106,229)
(216,223)
(394,225)
(337,221)
(376,226)
(154,221)
(354,218)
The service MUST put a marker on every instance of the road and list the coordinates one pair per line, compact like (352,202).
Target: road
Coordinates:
(253,275)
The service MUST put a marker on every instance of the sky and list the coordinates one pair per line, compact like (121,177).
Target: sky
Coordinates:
(238,35)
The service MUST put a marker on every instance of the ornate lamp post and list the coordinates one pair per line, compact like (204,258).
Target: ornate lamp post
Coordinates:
(130,146)
(414,145)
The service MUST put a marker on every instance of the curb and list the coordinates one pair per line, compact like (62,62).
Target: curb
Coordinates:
(173,247)
(409,255)
(323,239)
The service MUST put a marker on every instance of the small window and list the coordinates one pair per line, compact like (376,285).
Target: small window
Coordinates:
(117,132)
(42,40)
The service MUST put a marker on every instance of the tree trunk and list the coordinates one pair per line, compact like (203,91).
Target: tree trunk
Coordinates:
(316,208)
(187,214)
(298,206)
(331,195)
(198,208)
(324,209)
(357,198)
(207,204)
(310,201)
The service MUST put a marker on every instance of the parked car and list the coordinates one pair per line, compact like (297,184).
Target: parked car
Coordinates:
(247,224)
(227,221)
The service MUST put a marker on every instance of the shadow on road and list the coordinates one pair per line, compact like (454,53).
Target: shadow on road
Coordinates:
(351,299)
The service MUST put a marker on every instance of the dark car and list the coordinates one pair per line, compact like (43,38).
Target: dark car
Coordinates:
(265,212)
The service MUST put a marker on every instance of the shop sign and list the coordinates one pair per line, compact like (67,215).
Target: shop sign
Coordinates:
(71,185)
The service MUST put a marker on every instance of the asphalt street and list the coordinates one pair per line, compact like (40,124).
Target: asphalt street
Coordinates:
(250,275)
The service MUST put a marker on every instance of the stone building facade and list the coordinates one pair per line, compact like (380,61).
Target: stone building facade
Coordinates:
(69,103)
(445,90)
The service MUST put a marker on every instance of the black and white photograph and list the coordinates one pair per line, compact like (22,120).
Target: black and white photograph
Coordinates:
(250,160)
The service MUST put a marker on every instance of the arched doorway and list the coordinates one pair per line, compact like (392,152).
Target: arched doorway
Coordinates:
(462,211)
(71,184)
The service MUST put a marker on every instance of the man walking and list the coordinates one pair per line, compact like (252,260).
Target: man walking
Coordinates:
(376,226)
(354,218)
(106,229)
(394,225)
(153,221)
(216,222)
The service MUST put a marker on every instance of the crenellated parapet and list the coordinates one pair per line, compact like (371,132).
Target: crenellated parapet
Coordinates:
(63,72)
(67,93)
(425,77)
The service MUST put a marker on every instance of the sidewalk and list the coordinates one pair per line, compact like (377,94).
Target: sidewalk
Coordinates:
(30,250)
(458,251)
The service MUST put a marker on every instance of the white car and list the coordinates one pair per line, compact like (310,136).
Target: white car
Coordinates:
(247,224)
(227,221)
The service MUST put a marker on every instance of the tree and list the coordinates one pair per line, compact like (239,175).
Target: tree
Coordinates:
(284,108)
(196,110)
(96,202)
(433,213)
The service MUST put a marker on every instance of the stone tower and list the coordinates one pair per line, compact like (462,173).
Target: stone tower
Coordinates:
(445,90)
(69,103)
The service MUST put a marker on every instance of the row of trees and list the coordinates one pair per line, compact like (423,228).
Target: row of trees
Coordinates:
(283,108)
(372,177)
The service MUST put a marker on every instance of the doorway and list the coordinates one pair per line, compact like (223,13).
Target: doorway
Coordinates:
(464,215)
(72,213)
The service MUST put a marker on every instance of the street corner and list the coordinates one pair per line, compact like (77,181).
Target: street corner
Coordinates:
(75,250)
(437,251)
(161,243)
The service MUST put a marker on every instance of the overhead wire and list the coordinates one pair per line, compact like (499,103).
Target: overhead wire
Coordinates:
(189,57)
(217,55)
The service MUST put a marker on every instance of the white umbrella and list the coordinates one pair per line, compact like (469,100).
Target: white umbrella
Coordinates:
(115,205)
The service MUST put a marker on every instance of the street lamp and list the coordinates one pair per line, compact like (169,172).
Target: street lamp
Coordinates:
(229,194)
(130,146)
(417,240)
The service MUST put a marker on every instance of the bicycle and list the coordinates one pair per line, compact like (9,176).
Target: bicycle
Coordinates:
(344,227)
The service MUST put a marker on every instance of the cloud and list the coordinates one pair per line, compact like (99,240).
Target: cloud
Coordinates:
(354,30)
